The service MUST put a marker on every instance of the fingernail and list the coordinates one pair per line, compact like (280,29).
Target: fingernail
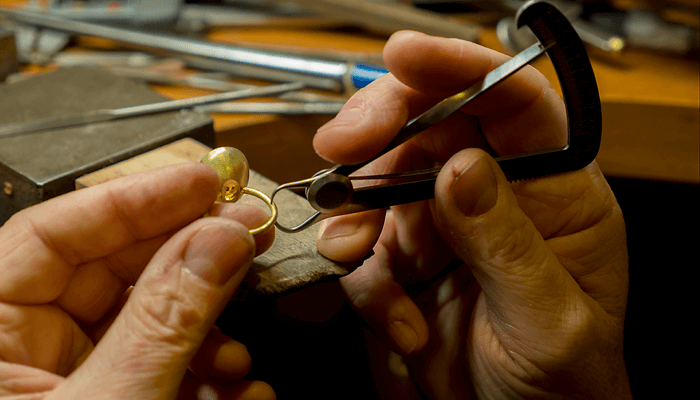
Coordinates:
(345,118)
(216,252)
(331,229)
(476,190)
(403,337)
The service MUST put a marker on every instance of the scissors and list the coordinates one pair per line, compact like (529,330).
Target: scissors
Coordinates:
(331,192)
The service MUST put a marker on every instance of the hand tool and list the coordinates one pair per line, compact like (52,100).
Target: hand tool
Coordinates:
(282,108)
(118,113)
(195,17)
(218,82)
(141,66)
(515,40)
(331,192)
(133,12)
(646,29)
(126,59)
(336,76)
(389,18)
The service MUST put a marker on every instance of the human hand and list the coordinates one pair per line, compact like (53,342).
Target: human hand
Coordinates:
(538,310)
(68,329)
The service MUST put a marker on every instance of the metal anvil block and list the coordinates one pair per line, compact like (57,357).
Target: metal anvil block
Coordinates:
(38,166)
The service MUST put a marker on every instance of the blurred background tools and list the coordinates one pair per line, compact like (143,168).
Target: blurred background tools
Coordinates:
(329,75)
(607,29)
(598,38)
(104,115)
(43,29)
(660,75)
(389,17)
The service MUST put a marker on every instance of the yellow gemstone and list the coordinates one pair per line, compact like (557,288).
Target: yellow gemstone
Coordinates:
(232,167)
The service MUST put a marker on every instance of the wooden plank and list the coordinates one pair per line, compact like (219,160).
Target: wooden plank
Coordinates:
(181,151)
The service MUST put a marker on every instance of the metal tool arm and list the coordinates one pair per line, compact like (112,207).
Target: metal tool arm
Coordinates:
(583,110)
(332,195)
(568,56)
(578,84)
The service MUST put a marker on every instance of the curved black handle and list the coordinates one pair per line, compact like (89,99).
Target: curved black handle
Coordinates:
(577,80)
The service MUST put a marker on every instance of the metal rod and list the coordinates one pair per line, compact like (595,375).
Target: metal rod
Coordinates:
(287,108)
(329,75)
(112,114)
(390,18)
(202,81)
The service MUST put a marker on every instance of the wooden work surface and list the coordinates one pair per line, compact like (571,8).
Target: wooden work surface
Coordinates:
(651,112)
(651,107)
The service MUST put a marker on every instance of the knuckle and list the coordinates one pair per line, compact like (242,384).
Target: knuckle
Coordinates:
(514,247)
(166,314)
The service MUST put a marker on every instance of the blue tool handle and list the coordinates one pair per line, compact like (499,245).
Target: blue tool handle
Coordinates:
(364,74)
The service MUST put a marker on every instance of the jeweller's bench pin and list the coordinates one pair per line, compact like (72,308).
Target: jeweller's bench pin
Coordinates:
(232,167)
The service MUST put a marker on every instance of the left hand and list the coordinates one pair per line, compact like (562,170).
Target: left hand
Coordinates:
(70,328)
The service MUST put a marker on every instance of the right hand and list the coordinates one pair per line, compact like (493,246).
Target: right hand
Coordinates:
(536,309)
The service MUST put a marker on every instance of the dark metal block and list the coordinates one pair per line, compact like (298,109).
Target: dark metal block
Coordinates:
(8,53)
(38,166)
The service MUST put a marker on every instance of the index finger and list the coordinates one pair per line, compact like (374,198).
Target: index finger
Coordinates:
(521,114)
(40,246)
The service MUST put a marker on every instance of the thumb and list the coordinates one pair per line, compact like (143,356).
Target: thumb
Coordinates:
(174,304)
(524,284)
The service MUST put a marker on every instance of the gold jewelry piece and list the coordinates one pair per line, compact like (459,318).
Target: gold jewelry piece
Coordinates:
(232,167)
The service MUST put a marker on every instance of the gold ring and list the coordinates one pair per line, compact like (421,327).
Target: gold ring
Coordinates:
(273,210)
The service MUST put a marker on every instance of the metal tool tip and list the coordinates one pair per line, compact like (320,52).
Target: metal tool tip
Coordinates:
(616,44)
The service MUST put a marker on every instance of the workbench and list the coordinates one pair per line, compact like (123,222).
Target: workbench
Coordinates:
(650,104)
(650,152)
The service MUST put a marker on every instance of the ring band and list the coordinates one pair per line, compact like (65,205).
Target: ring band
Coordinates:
(273,210)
